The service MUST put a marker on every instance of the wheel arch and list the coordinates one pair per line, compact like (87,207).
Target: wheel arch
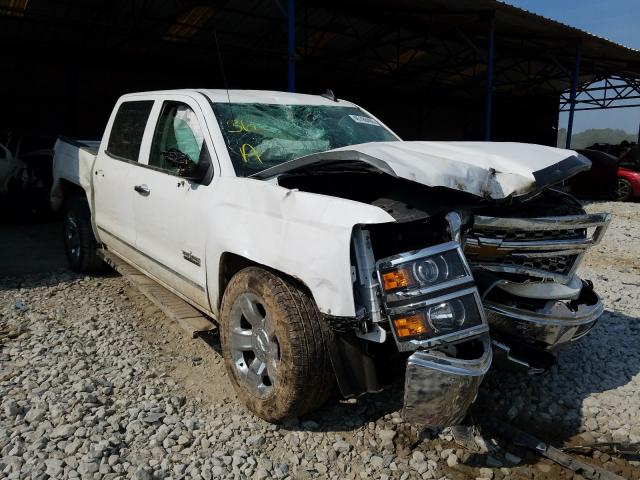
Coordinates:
(231,263)
(85,259)
(63,190)
(353,367)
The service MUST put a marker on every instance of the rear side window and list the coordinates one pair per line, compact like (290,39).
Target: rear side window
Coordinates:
(128,128)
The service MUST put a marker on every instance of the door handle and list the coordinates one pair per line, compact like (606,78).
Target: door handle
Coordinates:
(142,189)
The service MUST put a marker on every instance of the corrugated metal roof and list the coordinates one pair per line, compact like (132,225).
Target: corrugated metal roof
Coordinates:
(404,45)
(566,25)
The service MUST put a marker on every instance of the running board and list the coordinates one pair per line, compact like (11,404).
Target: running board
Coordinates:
(190,319)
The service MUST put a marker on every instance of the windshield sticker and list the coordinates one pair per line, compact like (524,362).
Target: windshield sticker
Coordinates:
(248,151)
(365,120)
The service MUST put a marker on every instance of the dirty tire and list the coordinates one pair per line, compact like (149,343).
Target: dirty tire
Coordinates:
(623,190)
(304,377)
(79,242)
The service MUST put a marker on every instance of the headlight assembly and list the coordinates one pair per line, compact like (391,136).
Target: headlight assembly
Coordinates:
(430,297)
(423,271)
(442,317)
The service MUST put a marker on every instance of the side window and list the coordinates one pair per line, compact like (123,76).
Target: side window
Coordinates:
(178,137)
(128,128)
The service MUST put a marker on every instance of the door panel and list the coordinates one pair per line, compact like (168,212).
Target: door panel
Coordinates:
(170,233)
(169,209)
(115,172)
(113,197)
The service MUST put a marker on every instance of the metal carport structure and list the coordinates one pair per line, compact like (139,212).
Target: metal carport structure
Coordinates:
(470,69)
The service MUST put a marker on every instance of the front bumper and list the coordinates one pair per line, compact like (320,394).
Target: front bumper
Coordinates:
(439,389)
(550,326)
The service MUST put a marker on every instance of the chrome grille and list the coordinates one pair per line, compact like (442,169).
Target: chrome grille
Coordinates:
(524,235)
(548,247)
(561,264)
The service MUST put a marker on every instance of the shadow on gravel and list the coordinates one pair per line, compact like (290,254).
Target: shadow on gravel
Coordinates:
(212,339)
(560,404)
(338,413)
(50,278)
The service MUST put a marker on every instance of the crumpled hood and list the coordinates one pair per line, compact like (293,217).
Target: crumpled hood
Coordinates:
(487,169)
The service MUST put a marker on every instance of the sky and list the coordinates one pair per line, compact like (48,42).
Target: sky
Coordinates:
(617,20)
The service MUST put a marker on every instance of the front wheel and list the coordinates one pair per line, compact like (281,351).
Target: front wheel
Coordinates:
(623,190)
(274,343)
(79,242)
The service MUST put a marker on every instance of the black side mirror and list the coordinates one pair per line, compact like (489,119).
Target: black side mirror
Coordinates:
(186,168)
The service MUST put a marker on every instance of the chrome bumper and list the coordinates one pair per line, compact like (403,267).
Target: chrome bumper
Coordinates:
(439,389)
(550,327)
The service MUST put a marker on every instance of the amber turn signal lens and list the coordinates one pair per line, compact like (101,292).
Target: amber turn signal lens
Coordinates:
(409,326)
(398,278)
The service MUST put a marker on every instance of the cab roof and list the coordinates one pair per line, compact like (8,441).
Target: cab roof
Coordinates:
(254,96)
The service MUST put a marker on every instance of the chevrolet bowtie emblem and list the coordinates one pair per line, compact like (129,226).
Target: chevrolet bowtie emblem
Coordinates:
(486,248)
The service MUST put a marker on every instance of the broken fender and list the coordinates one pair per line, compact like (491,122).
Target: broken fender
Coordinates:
(305,235)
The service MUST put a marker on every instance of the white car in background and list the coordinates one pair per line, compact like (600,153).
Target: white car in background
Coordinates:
(26,171)
(10,169)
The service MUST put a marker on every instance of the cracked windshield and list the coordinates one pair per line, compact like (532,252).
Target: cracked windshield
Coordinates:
(259,136)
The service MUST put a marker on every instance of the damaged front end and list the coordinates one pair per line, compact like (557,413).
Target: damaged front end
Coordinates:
(478,267)
(432,308)
(525,268)
(488,287)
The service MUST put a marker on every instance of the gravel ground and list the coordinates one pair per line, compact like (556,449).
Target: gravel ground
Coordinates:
(96,383)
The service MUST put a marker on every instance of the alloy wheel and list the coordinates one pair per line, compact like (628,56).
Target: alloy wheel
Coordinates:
(623,189)
(253,344)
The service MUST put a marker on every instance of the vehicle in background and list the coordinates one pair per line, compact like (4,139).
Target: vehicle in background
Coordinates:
(608,177)
(26,172)
(326,248)
(11,169)
(628,181)
(600,180)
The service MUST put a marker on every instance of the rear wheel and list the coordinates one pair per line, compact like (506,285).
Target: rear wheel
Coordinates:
(79,242)
(274,342)
(623,190)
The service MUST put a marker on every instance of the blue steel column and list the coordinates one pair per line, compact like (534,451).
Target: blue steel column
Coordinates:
(488,93)
(572,97)
(291,46)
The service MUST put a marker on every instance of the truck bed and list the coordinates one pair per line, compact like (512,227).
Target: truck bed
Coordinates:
(72,162)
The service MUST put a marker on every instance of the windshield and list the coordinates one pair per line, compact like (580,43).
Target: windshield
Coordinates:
(259,136)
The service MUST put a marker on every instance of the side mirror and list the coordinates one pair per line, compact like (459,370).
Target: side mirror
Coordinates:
(186,168)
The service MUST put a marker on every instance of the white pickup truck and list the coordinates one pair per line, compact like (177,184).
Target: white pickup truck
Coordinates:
(326,248)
